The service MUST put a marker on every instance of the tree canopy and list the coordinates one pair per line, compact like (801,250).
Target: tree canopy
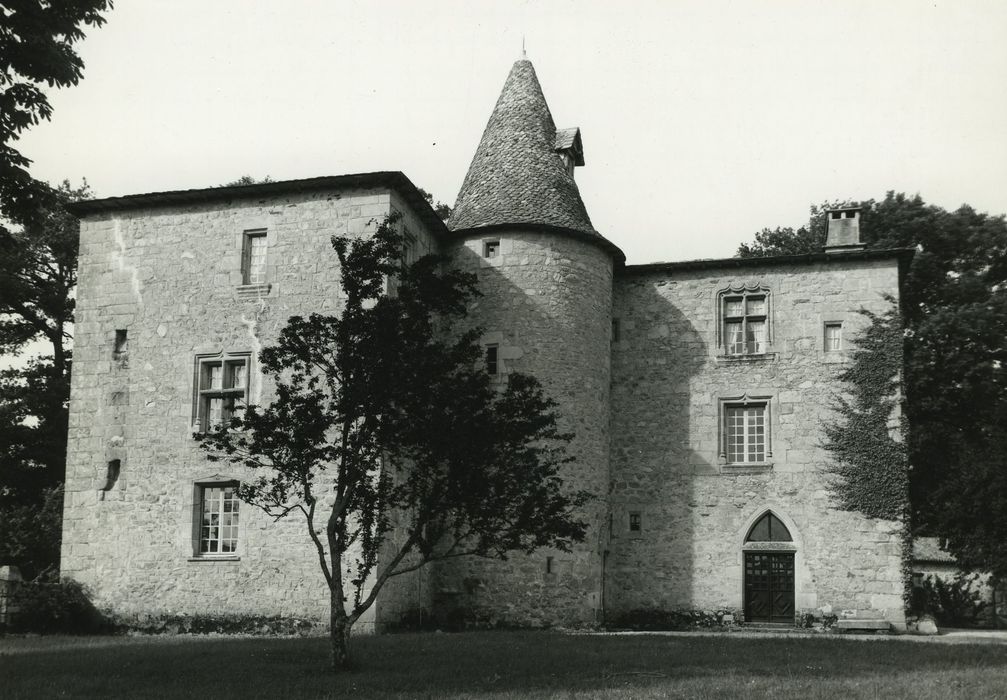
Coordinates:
(38,274)
(36,48)
(954,304)
(385,419)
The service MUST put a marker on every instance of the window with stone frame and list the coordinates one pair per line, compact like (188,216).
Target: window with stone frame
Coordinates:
(744,325)
(217,519)
(833,339)
(253,257)
(745,436)
(221,389)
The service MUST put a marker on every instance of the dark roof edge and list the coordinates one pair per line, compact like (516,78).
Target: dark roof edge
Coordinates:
(611,248)
(391,179)
(902,255)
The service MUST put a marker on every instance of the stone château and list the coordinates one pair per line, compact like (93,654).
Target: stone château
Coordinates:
(697,392)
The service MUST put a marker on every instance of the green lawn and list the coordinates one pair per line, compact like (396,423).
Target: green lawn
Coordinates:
(501,665)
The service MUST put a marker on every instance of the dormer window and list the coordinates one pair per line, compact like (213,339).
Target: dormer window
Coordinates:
(570,148)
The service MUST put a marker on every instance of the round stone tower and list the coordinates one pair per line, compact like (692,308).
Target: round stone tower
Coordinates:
(546,277)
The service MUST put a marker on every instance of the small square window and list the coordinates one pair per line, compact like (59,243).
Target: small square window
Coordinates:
(491,249)
(833,337)
(492,366)
(635,522)
(253,258)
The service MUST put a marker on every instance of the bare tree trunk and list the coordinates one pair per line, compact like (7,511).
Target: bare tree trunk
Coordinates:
(339,632)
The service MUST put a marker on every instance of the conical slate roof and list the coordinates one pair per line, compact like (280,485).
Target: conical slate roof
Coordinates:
(516,176)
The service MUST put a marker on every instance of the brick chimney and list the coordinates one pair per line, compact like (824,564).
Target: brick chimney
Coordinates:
(844,230)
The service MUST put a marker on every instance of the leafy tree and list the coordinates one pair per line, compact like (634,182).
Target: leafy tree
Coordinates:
(247,180)
(38,263)
(385,422)
(38,273)
(440,208)
(36,47)
(954,303)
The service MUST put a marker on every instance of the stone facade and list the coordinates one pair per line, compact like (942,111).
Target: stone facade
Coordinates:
(546,304)
(170,276)
(635,356)
(670,381)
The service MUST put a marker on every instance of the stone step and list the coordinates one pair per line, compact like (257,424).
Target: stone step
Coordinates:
(845,625)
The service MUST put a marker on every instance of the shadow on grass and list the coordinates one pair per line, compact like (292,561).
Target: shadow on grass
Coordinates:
(503,664)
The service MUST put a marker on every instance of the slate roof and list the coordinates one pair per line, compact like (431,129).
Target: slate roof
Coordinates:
(516,176)
(569,140)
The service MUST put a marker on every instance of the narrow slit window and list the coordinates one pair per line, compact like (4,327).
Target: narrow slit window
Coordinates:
(492,366)
(111,474)
(253,262)
(616,330)
(120,349)
(548,565)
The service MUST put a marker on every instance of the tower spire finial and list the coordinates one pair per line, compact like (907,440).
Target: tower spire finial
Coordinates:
(523,54)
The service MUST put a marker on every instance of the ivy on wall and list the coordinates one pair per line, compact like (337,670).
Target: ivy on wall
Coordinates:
(869,456)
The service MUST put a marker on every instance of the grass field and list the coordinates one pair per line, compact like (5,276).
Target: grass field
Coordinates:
(501,665)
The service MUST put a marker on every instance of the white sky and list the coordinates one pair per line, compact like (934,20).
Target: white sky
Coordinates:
(702,121)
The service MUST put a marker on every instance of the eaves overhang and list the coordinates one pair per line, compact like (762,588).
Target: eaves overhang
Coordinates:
(618,257)
(902,255)
(393,180)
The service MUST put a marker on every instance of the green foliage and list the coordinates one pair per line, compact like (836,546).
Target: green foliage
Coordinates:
(973,493)
(36,47)
(440,208)
(870,463)
(38,273)
(247,180)
(30,534)
(955,603)
(271,625)
(62,607)
(393,407)
(678,620)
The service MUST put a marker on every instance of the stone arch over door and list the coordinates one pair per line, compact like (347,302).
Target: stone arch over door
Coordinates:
(773,573)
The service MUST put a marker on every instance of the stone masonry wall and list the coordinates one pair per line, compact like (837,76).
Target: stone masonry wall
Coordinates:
(171,277)
(547,306)
(668,381)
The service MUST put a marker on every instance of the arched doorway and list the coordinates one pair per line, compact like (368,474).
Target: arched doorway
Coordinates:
(769,571)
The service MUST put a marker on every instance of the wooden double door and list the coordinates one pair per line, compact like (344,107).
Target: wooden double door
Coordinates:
(769,587)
